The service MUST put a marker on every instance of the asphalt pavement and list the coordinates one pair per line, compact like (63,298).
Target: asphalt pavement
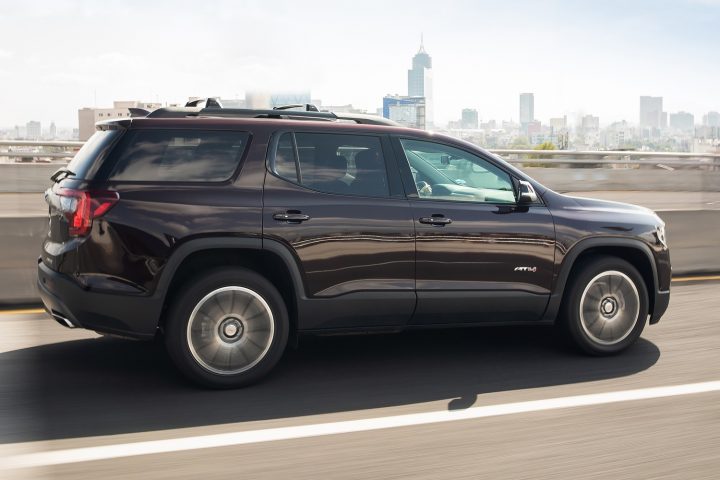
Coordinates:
(430,404)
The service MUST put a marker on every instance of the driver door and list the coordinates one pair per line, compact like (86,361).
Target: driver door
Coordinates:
(480,257)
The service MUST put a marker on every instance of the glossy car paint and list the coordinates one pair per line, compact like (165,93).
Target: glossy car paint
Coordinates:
(353,263)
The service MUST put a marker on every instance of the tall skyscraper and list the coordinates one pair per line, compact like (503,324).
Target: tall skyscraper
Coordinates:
(420,80)
(712,119)
(33,130)
(469,119)
(651,112)
(527,108)
(682,121)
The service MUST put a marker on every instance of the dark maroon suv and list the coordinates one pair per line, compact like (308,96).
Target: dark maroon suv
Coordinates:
(228,232)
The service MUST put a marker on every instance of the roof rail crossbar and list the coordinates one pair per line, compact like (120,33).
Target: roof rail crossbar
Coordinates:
(309,107)
(236,112)
(208,102)
(174,112)
(138,112)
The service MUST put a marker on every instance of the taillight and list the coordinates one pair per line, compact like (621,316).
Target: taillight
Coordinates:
(80,207)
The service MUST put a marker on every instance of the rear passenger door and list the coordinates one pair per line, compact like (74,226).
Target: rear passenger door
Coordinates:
(335,201)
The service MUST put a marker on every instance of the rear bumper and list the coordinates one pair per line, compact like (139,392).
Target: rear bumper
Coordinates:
(68,302)
(662,300)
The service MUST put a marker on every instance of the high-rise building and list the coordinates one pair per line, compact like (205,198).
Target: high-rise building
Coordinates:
(682,121)
(87,117)
(33,130)
(712,119)
(420,81)
(651,112)
(267,100)
(52,133)
(558,123)
(527,108)
(469,119)
(407,111)
(590,123)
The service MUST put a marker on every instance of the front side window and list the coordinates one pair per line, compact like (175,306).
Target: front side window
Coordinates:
(333,163)
(178,156)
(442,172)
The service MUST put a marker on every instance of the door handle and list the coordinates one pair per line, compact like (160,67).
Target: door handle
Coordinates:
(291,217)
(436,219)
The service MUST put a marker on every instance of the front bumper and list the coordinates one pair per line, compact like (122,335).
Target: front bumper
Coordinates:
(69,303)
(662,300)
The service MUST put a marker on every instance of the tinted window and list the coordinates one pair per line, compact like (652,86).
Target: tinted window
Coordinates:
(95,147)
(178,156)
(285,164)
(333,163)
(448,173)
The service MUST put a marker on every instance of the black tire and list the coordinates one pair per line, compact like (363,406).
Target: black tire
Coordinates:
(608,325)
(222,328)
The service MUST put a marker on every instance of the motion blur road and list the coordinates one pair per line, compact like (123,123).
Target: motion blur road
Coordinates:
(64,390)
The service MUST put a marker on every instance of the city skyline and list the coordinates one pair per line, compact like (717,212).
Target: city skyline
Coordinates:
(576,59)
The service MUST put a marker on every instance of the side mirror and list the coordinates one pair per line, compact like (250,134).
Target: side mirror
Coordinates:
(526,193)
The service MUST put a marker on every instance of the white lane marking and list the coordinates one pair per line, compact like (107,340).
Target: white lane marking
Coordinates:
(107,452)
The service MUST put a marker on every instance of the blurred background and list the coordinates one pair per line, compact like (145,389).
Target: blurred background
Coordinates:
(616,100)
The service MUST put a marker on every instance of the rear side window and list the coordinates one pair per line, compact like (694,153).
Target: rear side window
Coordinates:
(333,163)
(178,156)
(95,148)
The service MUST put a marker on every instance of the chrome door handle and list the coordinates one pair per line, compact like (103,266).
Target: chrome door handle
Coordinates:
(291,217)
(435,220)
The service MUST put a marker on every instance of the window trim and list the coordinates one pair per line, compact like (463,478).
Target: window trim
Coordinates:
(275,141)
(113,157)
(411,191)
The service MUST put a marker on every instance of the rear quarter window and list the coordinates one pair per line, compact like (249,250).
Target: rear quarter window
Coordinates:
(84,162)
(177,156)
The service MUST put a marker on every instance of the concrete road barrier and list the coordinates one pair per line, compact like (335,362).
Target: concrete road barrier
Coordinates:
(624,179)
(693,235)
(20,243)
(26,177)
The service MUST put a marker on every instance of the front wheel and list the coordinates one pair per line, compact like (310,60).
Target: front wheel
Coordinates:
(227,329)
(606,307)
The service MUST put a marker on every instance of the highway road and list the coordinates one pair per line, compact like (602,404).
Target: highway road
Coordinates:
(482,403)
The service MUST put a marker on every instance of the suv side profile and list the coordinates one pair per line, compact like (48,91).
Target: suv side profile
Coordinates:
(230,232)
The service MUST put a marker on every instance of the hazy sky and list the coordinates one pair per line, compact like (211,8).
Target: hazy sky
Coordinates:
(577,57)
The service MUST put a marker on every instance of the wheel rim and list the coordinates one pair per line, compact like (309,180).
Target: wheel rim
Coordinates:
(609,307)
(230,330)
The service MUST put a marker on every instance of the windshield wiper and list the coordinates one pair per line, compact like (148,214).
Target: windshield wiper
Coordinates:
(61,174)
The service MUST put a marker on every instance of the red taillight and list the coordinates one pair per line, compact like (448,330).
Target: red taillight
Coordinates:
(83,206)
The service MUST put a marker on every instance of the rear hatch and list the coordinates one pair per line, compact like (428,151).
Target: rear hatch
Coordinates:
(73,203)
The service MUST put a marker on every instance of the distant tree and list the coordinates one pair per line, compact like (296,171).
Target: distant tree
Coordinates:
(520,143)
(542,146)
(545,146)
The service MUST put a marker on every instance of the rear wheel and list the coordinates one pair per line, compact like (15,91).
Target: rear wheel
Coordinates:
(227,329)
(606,306)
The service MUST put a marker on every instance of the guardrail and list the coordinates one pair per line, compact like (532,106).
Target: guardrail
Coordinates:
(510,154)
(561,170)
(609,157)
(606,153)
(39,149)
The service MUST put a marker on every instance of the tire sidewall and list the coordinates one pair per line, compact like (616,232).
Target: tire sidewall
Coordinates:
(587,271)
(191,294)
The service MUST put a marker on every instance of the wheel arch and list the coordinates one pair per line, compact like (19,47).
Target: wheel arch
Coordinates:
(634,251)
(268,258)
